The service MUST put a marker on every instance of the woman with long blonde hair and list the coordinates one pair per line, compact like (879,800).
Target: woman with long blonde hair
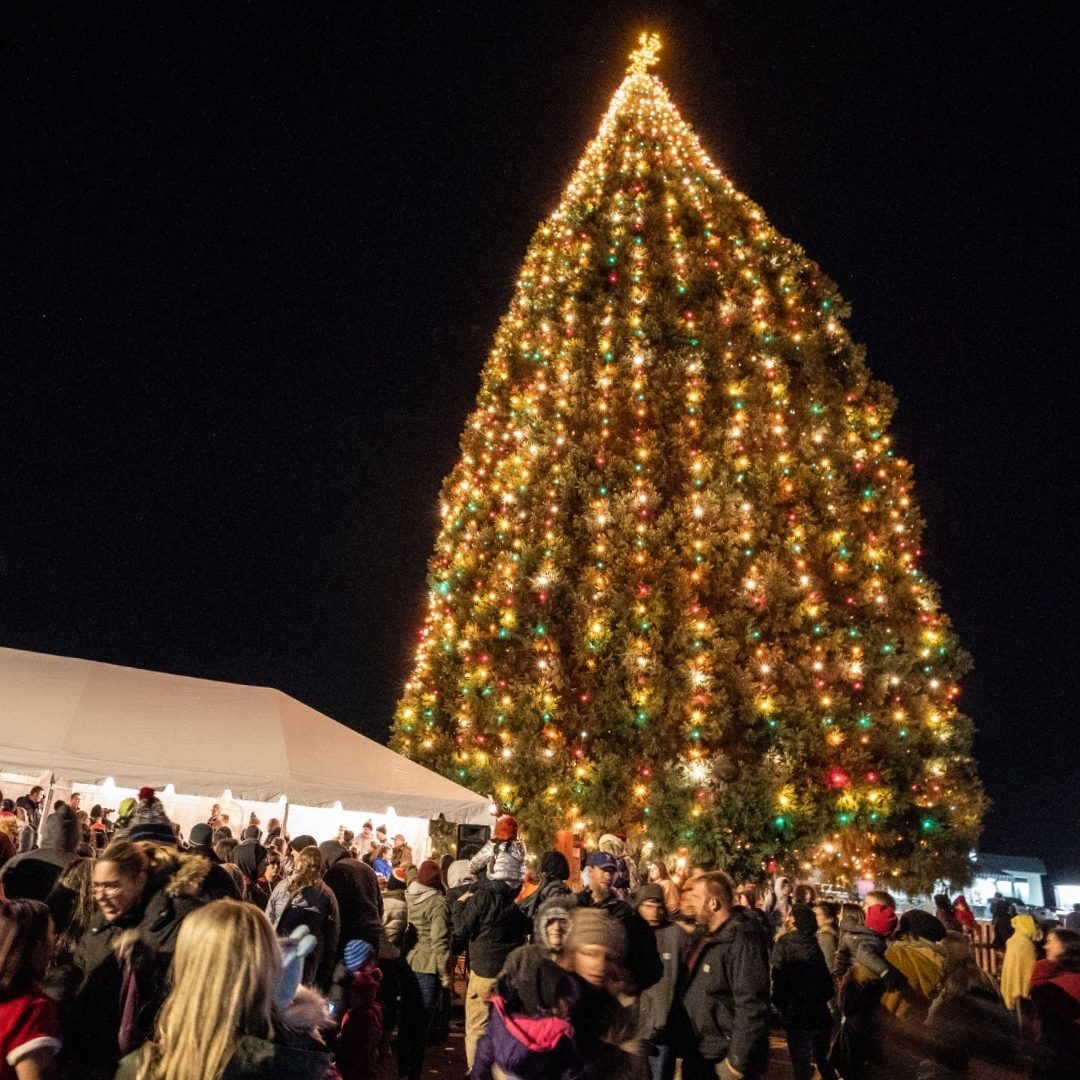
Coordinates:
(219,1019)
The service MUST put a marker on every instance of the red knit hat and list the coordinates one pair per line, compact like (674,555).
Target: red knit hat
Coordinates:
(505,828)
(881,919)
(430,875)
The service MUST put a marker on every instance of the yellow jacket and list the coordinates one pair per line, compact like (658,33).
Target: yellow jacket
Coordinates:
(1019,959)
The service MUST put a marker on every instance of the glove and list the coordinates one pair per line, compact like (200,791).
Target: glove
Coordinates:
(295,949)
(725,1071)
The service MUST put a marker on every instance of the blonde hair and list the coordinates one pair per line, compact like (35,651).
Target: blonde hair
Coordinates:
(224,974)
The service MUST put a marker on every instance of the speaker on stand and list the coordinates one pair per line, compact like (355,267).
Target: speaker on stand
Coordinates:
(471,838)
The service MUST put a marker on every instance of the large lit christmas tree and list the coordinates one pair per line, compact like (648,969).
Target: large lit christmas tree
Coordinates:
(676,588)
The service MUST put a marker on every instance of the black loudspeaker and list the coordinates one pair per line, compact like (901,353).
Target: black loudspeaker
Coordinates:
(471,838)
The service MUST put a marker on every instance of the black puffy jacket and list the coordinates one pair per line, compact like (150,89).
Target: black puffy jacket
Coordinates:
(802,985)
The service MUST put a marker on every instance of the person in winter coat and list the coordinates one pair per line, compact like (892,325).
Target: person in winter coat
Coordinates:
(428,958)
(219,885)
(802,991)
(502,858)
(1055,996)
(401,854)
(460,879)
(968,1021)
(225,1015)
(1001,915)
(943,912)
(625,878)
(529,1036)
(827,931)
(964,915)
(642,958)
(491,926)
(250,857)
(550,925)
(554,874)
(116,977)
(32,875)
(305,900)
(1019,960)
(721,1024)
(392,950)
(863,975)
(779,902)
(354,998)
(356,886)
(655,1004)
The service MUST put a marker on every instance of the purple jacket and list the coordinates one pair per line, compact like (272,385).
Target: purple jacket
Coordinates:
(527,1047)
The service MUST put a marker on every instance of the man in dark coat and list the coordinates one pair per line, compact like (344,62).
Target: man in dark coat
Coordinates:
(491,926)
(721,1023)
(31,875)
(642,959)
(554,873)
(356,887)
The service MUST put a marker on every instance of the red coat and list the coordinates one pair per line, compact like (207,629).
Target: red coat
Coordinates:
(357,1047)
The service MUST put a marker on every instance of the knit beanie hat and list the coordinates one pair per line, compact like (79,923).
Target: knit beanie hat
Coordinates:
(590,926)
(201,835)
(430,875)
(804,918)
(252,832)
(531,984)
(505,828)
(881,919)
(300,842)
(922,924)
(553,864)
(649,891)
(357,954)
(396,880)
(149,821)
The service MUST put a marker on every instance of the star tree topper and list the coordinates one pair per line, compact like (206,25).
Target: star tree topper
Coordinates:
(643,58)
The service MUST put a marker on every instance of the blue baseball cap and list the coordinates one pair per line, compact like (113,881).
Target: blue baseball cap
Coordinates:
(601,860)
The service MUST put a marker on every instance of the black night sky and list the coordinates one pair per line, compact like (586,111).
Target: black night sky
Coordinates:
(255,257)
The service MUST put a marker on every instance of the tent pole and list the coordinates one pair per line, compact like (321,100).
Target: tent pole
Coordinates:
(285,822)
(46,810)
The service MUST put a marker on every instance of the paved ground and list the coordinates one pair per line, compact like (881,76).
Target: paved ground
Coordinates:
(448,1062)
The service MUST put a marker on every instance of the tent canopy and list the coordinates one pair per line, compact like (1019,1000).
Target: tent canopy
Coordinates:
(88,721)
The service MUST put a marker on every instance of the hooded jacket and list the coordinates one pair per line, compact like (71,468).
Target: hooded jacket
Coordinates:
(428,945)
(1019,960)
(526,1047)
(492,925)
(395,921)
(315,907)
(922,963)
(356,887)
(31,875)
(725,1004)
(247,856)
(555,907)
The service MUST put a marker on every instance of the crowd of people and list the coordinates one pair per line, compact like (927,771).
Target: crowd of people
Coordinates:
(128,951)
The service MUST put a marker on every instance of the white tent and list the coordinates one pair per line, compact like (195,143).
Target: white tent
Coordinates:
(110,728)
